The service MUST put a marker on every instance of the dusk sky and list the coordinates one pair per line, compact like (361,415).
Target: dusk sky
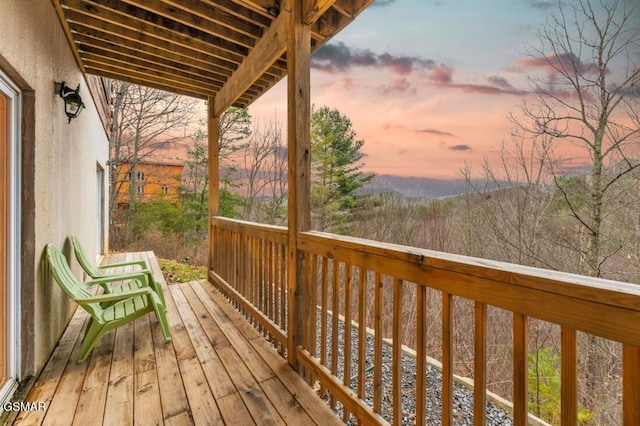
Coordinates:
(427,83)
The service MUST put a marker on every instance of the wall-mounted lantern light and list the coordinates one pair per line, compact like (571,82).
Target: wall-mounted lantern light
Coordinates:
(72,101)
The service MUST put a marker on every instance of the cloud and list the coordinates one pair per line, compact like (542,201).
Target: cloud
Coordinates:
(334,58)
(436,132)
(441,75)
(553,64)
(542,5)
(461,147)
(400,85)
(487,89)
(382,3)
(496,85)
(340,58)
(500,82)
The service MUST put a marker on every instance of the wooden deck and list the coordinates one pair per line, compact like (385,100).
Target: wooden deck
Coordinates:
(217,370)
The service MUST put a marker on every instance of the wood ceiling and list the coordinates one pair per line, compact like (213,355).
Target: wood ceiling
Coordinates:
(232,50)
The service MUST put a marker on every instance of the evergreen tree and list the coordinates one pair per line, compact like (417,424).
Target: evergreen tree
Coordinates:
(336,168)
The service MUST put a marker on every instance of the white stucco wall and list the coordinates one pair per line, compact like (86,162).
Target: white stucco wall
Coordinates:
(33,42)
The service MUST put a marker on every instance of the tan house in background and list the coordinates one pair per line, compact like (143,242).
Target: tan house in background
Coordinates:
(154,180)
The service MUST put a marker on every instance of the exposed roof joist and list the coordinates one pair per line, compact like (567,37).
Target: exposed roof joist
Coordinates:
(229,50)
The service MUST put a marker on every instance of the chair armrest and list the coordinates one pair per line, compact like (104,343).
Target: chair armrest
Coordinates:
(138,275)
(140,263)
(115,296)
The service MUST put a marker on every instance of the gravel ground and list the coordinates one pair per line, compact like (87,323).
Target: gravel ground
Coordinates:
(463,398)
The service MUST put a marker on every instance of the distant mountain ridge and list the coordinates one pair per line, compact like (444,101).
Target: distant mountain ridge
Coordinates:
(417,187)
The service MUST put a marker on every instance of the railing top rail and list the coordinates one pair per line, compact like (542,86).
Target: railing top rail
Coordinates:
(473,266)
(267,232)
(602,307)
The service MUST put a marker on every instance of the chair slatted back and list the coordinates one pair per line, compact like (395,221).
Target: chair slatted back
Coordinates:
(89,268)
(69,283)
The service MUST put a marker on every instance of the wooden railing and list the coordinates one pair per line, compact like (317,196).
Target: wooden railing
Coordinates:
(390,291)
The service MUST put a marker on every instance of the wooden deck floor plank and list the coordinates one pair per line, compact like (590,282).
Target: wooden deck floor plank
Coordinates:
(203,407)
(63,405)
(45,387)
(201,401)
(152,262)
(285,402)
(173,397)
(212,328)
(234,411)
(249,331)
(310,401)
(259,368)
(119,407)
(179,337)
(147,406)
(203,337)
(91,405)
(182,419)
(259,405)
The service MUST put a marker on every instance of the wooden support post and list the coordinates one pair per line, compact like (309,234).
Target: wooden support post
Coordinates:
(214,174)
(299,147)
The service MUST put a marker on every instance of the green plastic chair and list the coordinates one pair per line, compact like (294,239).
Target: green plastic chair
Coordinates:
(108,311)
(95,272)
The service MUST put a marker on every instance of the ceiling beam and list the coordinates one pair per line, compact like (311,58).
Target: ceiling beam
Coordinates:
(190,20)
(117,16)
(314,9)
(265,53)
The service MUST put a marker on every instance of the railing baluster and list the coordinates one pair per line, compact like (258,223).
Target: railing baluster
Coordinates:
(276,283)
(568,377)
(520,370)
(253,276)
(421,353)
(362,331)
(325,307)
(267,278)
(335,301)
(312,308)
(480,366)
(261,277)
(377,348)
(348,289)
(283,286)
(630,385)
(397,351)
(447,359)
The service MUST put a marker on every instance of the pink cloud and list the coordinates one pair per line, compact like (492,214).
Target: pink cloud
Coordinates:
(436,132)
(335,58)
(400,85)
(565,63)
(441,75)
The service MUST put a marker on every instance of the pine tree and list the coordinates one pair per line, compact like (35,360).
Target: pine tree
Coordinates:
(337,169)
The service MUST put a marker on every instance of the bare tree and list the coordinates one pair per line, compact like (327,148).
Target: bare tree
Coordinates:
(264,173)
(589,98)
(234,128)
(515,201)
(144,121)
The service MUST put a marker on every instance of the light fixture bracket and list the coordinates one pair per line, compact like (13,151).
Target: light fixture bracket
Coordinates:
(73,104)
